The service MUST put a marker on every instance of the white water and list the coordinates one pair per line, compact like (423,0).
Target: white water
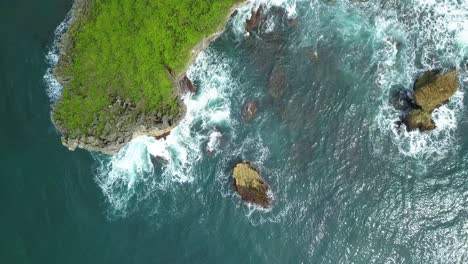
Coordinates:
(54,88)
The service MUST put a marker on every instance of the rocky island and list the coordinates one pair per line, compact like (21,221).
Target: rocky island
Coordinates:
(122,65)
(250,186)
(431,90)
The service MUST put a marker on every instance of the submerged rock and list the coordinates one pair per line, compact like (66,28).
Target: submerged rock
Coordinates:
(277,82)
(420,119)
(432,90)
(250,186)
(249,110)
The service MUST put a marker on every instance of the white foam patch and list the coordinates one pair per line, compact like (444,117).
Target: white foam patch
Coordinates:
(214,140)
(54,88)
(433,35)
(120,175)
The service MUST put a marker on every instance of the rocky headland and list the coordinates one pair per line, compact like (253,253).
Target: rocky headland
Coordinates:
(123,119)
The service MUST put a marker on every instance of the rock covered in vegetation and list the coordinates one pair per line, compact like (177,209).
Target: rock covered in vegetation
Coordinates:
(250,186)
(420,119)
(432,90)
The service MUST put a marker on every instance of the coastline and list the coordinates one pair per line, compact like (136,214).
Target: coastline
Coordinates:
(159,127)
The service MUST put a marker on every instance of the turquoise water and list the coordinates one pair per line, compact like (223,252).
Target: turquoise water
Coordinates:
(347,185)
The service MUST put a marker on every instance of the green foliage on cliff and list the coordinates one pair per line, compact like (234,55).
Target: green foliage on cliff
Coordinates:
(124,49)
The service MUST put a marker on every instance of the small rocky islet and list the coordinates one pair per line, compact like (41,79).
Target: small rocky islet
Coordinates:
(432,90)
(250,186)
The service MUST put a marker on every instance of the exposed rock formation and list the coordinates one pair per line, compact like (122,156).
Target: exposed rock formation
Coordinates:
(431,90)
(420,119)
(250,186)
(186,85)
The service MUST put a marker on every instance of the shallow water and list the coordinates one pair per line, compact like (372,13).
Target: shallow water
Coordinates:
(347,186)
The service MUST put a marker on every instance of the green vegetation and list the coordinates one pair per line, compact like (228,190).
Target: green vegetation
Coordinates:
(125,49)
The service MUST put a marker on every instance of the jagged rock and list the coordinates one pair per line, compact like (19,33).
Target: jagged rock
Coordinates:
(249,110)
(433,90)
(250,186)
(253,23)
(402,101)
(186,85)
(233,14)
(419,119)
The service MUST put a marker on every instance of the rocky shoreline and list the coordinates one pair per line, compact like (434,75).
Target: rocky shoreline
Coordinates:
(130,123)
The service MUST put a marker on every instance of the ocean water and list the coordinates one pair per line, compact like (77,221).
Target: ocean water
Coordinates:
(348,186)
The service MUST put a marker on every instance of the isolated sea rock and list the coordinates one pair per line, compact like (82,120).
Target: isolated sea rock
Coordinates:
(249,111)
(420,119)
(250,186)
(433,90)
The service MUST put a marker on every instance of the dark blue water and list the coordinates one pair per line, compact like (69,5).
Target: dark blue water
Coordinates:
(347,186)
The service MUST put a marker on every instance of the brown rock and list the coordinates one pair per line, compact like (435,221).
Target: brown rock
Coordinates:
(250,186)
(249,110)
(254,22)
(186,85)
(420,119)
(432,90)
